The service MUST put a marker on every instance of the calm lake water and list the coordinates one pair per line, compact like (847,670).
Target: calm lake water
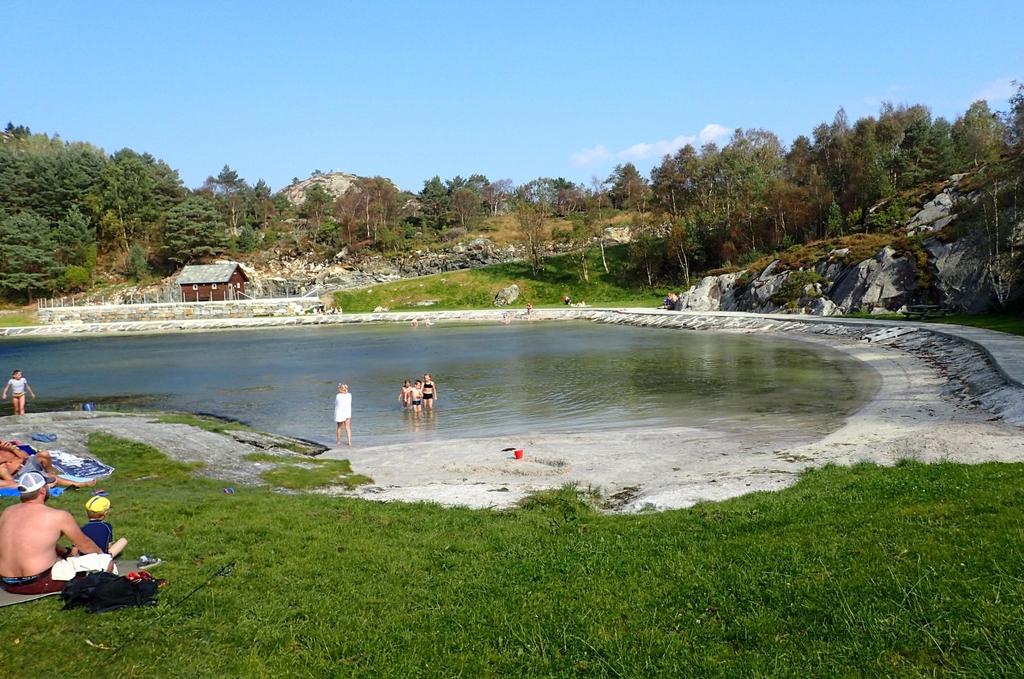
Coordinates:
(492,379)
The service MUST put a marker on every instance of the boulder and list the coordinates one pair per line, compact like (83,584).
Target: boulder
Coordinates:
(934,215)
(507,295)
(618,234)
(959,274)
(888,281)
(823,306)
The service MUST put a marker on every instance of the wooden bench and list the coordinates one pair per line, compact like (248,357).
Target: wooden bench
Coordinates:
(923,311)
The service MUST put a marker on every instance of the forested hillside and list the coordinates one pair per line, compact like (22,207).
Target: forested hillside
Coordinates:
(73,216)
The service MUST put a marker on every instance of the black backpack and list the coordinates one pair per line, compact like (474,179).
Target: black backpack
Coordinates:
(101,592)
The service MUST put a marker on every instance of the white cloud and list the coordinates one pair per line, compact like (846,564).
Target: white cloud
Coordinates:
(997,91)
(656,149)
(713,132)
(646,150)
(589,156)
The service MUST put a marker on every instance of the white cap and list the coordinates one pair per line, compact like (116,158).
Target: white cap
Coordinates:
(29,482)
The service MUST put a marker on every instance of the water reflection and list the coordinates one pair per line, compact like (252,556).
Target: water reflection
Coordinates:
(492,380)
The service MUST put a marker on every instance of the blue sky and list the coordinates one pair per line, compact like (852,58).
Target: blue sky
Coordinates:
(408,90)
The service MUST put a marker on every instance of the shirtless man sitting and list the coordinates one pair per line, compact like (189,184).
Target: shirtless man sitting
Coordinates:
(29,533)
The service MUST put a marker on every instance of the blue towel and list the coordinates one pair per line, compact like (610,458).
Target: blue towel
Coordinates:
(13,492)
(45,438)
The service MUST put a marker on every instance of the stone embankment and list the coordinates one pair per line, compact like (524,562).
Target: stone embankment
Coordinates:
(178,311)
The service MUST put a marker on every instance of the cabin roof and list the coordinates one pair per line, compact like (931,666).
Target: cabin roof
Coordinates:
(207,273)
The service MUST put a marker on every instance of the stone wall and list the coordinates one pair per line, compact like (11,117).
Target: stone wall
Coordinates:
(183,311)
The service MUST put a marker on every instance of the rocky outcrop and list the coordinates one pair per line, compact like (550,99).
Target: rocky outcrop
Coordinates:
(618,235)
(959,274)
(887,282)
(507,295)
(335,183)
(713,293)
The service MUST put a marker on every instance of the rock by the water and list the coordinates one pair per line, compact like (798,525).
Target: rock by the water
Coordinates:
(507,295)
(887,281)
(959,274)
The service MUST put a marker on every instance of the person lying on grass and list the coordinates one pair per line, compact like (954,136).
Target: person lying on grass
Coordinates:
(14,462)
(31,558)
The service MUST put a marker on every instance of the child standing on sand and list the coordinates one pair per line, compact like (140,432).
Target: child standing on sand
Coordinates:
(343,413)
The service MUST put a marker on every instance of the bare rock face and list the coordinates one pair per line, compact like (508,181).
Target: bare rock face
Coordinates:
(959,274)
(507,295)
(934,215)
(618,234)
(335,183)
(887,281)
(823,306)
(758,295)
(707,294)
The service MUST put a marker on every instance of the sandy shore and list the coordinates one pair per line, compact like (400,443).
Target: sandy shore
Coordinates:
(913,415)
(940,398)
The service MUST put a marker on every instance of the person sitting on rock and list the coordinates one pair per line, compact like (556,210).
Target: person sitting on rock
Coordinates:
(31,560)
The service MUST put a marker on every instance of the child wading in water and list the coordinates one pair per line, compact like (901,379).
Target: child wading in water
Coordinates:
(18,386)
(416,397)
(405,395)
(429,391)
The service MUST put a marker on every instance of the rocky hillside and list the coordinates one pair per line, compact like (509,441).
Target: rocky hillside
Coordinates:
(926,263)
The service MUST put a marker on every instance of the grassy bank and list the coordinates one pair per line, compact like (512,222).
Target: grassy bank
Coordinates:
(905,571)
(1011,323)
(475,288)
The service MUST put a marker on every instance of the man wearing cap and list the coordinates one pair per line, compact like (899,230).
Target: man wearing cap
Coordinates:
(31,561)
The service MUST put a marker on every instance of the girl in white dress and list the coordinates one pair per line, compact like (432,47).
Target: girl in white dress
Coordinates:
(343,413)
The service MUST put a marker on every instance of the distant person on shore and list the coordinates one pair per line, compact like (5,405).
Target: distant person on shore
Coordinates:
(30,557)
(405,395)
(429,391)
(671,301)
(529,309)
(566,300)
(416,397)
(343,413)
(99,530)
(18,386)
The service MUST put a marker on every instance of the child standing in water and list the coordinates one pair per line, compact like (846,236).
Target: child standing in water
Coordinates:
(416,397)
(429,391)
(405,395)
(18,386)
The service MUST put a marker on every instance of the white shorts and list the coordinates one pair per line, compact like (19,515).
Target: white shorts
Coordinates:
(66,569)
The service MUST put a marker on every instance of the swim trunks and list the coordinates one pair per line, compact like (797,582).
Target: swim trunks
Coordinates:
(32,584)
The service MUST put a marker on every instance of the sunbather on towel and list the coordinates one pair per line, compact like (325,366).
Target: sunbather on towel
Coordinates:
(14,462)
(29,536)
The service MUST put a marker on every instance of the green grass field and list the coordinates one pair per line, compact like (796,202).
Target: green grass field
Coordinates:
(1011,323)
(863,571)
(475,288)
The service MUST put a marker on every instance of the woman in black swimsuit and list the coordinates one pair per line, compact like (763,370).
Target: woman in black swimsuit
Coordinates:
(429,391)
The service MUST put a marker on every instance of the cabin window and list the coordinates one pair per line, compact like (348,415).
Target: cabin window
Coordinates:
(214,286)
(195,286)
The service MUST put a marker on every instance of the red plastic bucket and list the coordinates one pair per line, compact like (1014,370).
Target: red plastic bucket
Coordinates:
(519,453)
